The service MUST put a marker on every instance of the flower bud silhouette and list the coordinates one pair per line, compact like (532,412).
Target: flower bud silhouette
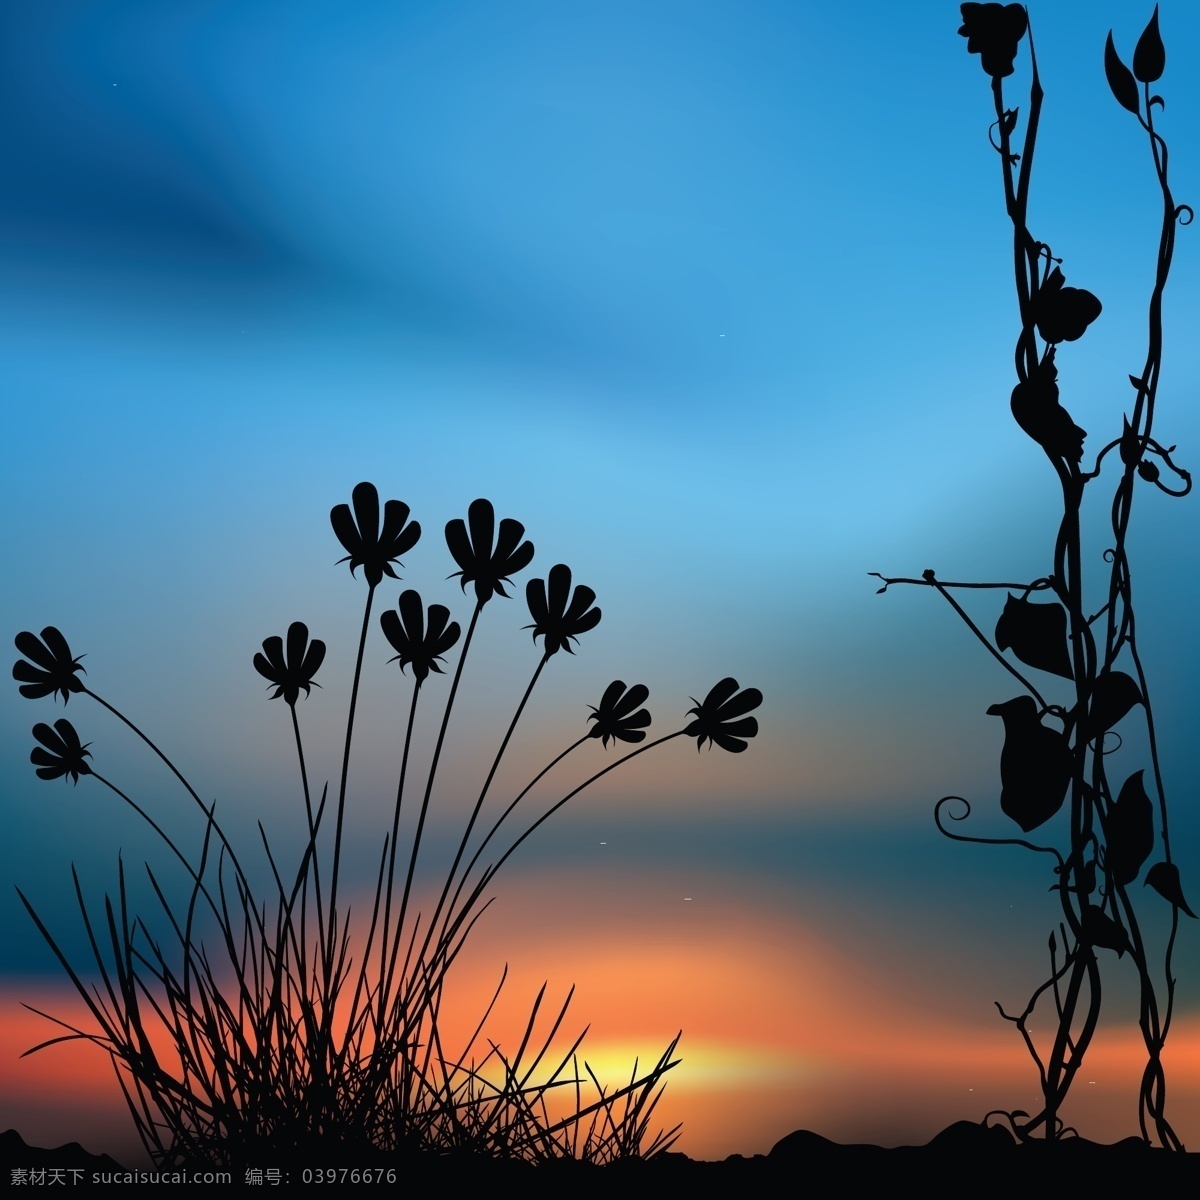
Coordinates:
(55,669)
(993,31)
(716,717)
(1035,764)
(370,548)
(63,754)
(296,671)
(488,569)
(1036,409)
(418,642)
(616,718)
(554,619)
(1061,313)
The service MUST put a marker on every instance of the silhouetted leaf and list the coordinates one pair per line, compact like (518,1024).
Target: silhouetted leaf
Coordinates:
(1037,635)
(1150,55)
(1035,764)
(1130,448)
(1130,830)
(1114,695)
(1102,930)
(1120,78)
(1163,877)
(1009,122)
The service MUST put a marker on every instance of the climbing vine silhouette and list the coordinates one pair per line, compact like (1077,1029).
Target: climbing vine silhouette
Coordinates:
(1054,753)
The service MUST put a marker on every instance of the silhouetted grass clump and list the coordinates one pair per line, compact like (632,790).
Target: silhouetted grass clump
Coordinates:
(1058,752)
(274,1036)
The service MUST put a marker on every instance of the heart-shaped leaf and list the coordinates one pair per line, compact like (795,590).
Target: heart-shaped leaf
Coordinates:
(1036,634)
(1113,696)
(1163,877)
(1102,930)
(1130,830)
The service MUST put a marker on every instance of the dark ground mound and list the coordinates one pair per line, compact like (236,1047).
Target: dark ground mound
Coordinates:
(965,1157)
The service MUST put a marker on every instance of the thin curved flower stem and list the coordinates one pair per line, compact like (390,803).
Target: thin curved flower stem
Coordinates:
(312,837)
(500,820)
(175,771)
(341,806)
(487,783)
(492,869)
(388,964)
(141,812)
(441,738)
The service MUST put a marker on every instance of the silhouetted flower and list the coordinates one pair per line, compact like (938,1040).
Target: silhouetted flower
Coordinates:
(715,718)
(486,568)
(55,669)
(63,754)
(615,718)
(993,31)
(296,671)
(556,620)
(369,548)
(1036,408)
(418,643)
(1063,314)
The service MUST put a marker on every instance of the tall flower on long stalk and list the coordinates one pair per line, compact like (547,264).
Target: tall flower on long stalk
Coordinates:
(620,715)
(52,668)
(374,549)
(721,718)
(295,670)
(60,754)
(479,563)
(558,616)
(370,547)
(416,644)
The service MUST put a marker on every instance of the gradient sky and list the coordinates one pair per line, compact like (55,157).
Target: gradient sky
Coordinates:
(716,299)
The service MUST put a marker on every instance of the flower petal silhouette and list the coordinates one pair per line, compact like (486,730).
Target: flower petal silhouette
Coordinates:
(1036,409)
(52,668)
(418,642)
(63,754)
(716,717)
(488,569)
(296,670)
(554,619)
(993,31)
(1061,313)
(616,718)
(371,548)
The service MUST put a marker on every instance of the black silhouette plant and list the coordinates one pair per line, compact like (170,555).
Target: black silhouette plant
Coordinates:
(488,569)
(55,669)
(296,670)
(994,31)
(555,620)
(370,547)
(616,716)
(717,718)
(417,645)
(63,755)
(1055,752)
(278,1037)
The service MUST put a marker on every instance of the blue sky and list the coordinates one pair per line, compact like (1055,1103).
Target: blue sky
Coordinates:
(715,298)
